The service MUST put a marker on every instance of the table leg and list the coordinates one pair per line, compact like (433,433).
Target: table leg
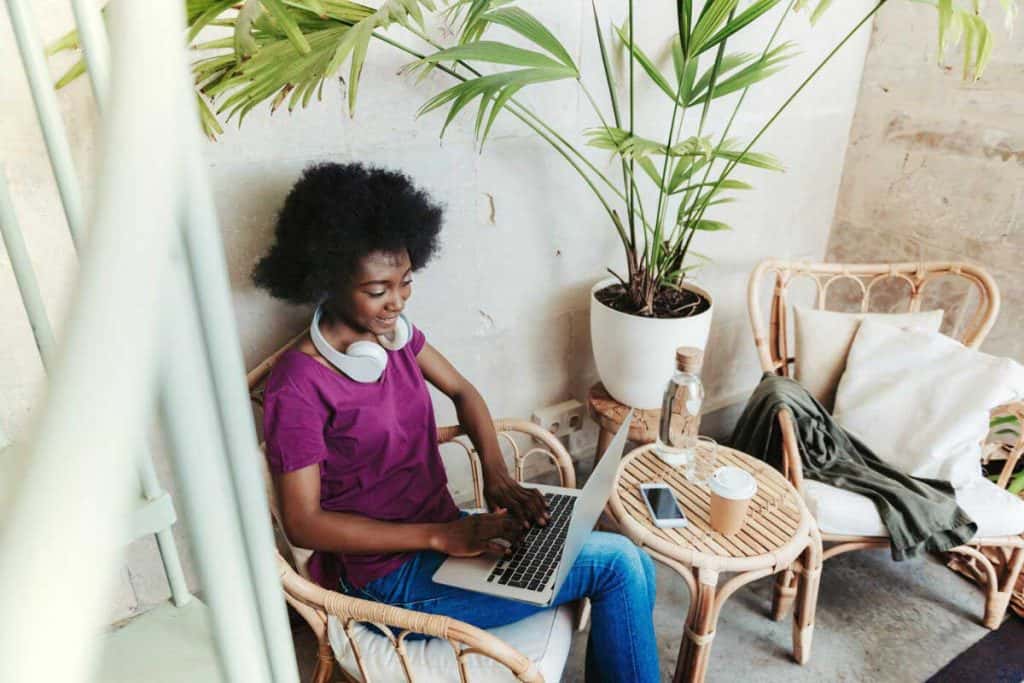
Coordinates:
(807,598)
(783,594)
(699,630)
(604,438)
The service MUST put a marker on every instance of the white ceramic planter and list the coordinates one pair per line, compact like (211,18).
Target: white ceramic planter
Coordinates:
(635,356)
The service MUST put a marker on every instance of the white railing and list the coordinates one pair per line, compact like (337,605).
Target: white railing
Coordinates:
(151,327)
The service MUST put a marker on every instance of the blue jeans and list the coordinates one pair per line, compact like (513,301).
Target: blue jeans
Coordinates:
(617,576)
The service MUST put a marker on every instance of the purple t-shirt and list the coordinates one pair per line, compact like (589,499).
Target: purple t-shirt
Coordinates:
(376,445)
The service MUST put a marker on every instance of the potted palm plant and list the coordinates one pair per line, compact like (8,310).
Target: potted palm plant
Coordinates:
(662,196)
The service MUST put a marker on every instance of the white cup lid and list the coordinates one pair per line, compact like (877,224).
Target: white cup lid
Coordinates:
(733,483)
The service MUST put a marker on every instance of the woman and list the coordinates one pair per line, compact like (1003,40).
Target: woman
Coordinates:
(354,454)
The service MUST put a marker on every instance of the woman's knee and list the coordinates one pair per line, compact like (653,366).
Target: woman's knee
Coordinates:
(623,561)
(649,573)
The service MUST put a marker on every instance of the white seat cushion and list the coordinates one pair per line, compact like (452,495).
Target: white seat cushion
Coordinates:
(544,637)
(838,511)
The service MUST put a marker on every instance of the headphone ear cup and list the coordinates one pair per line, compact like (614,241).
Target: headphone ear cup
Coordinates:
(367,363)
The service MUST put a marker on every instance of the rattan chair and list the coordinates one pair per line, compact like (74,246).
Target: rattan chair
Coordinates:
(338,620)
(893,287)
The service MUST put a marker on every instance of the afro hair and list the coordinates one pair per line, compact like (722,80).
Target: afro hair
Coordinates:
(334,216)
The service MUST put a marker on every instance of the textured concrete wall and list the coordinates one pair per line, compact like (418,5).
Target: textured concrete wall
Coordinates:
(507,300)
(935,167)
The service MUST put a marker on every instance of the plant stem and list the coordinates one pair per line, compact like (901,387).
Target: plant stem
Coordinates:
(617,117)
(627,176)
(632,117)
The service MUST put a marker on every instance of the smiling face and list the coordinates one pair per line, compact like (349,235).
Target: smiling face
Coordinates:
(376,293)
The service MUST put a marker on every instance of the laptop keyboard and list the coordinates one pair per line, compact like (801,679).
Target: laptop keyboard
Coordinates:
(538,553)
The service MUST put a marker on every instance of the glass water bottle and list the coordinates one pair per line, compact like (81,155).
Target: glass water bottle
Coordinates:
(680,409)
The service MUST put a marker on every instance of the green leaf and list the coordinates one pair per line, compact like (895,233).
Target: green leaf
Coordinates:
(768,65)
(68,41)
(494,53)
(472,25)
(713,15)
(732,151)
(609,75)
(314,6)
(201,21)
(819,11)
(729,62)
(526,25)
(711,226)
(738,22)
(684,20)
(727,184)
(1002,420)
(245,43)
(211,126)
(649,168)
(632,146)
(76,70)
(645,62)
(490,89)
(1016,486)
(683,171)
(284,19)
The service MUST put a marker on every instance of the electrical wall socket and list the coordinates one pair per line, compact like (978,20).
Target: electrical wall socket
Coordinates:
(583,442)
(560,419)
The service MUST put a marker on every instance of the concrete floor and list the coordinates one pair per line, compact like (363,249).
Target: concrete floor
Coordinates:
(877,621)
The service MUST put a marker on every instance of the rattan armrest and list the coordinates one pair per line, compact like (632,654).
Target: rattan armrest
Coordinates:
(1015,409)
(549,446)
(465,639)
(792,467)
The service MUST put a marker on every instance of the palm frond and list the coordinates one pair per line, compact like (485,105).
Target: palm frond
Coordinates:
(771,63)
(645,62)
(736,24)
(526,25)
(494,91)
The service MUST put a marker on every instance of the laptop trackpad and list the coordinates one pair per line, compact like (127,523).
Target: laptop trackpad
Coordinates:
(464,569)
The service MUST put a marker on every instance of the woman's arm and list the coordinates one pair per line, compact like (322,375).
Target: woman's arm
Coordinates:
(499,487)
(310,526)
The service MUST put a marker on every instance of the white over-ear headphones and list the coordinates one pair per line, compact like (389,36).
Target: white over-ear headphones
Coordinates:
(363,361)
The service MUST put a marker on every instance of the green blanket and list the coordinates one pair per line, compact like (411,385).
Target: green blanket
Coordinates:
(920,514)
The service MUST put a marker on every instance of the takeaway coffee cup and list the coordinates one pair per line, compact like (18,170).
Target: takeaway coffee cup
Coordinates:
(731,491)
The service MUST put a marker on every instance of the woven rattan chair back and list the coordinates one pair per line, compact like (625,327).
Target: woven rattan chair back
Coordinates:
(967,294)
(521,441)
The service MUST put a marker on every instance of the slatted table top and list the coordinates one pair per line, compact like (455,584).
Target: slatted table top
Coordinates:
(775,519)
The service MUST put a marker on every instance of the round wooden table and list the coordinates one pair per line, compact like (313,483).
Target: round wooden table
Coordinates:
(779,536)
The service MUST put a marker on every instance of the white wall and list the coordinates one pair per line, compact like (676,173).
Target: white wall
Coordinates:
(507,299)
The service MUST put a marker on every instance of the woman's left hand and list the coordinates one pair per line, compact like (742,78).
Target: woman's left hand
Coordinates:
(502,491)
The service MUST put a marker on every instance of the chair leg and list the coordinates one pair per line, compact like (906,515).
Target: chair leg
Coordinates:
(807,598)
(998,597)
(324,662)
(783,594)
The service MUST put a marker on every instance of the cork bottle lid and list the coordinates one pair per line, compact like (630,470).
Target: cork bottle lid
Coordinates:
(689,359)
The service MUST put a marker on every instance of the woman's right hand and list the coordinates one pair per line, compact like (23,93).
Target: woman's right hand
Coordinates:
(474,535)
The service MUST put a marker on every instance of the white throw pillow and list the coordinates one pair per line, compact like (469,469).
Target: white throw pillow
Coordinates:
(921,400)
(823,340)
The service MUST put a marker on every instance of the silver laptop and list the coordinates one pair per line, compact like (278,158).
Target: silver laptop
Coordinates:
(542,559)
